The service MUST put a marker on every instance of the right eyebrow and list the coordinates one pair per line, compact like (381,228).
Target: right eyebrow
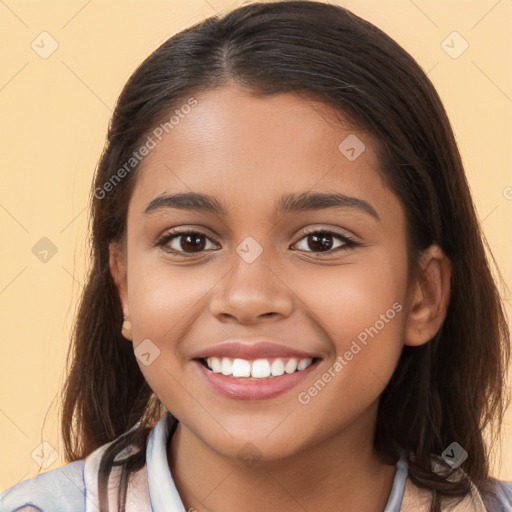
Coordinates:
(192,201)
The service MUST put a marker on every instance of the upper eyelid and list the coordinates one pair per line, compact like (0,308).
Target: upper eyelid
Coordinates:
(301,232)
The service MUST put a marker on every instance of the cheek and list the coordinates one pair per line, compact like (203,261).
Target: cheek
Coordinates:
(165,302)
(360,307)
(349,298)
(163,297)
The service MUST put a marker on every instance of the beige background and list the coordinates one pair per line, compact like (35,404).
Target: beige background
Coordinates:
(53,123)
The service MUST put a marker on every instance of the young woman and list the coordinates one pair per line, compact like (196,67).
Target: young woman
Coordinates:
(289,305)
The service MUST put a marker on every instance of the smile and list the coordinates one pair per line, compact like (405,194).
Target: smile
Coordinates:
(257,379)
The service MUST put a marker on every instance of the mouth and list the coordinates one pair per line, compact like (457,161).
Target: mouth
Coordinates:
(254,379)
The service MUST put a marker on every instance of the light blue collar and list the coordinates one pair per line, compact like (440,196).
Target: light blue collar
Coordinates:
(162,492)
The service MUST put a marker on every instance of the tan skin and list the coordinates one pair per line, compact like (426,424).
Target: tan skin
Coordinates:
(247,152)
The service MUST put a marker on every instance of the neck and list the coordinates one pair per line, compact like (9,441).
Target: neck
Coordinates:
(342,472)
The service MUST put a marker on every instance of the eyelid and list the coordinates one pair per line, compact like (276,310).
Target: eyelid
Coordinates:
(322,229)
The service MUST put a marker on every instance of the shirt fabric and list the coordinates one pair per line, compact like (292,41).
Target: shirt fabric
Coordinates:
(73,487)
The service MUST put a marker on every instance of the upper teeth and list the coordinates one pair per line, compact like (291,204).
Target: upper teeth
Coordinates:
(259,368)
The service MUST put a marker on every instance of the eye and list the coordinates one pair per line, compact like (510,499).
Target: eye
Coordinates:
(185,243)
(321,241)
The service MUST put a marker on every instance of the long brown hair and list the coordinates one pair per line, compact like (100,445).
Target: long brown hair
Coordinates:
(449,389)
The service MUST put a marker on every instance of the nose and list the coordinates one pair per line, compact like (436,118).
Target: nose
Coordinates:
(251,292)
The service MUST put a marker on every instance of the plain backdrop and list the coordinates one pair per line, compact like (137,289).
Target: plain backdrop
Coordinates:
(54,115)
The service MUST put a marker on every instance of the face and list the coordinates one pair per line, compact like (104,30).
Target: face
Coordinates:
(327,279)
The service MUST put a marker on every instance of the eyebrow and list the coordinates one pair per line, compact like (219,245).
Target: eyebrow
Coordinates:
(288,203)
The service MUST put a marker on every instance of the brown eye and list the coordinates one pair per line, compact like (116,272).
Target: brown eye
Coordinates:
(192,243)
(320,242)
(323,241)
(186,242)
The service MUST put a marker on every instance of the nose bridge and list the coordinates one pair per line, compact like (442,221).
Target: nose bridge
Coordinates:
(252,287)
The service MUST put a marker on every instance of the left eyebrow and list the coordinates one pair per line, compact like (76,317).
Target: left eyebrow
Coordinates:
(288,203)
(306,201)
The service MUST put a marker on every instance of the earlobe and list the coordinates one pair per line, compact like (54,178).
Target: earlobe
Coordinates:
(429,297)
(117,263)
(126,330)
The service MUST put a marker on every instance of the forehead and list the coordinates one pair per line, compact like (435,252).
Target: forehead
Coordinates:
(256,147)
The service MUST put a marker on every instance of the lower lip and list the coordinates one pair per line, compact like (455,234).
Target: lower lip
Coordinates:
(246,389)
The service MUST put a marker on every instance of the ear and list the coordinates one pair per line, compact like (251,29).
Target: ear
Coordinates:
(117,263)
(429,297)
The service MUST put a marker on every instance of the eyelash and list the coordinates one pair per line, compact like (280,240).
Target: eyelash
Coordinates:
(349,243)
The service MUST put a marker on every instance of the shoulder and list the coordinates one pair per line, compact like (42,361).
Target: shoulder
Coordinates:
(59,489)
(501,499)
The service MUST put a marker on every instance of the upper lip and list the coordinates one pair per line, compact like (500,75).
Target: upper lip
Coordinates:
(249,350)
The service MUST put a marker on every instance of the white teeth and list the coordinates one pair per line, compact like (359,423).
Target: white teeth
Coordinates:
(241,368)
(258,369)
(215,364)
(227,366)
(303,364)
(290,366)
(277,367)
